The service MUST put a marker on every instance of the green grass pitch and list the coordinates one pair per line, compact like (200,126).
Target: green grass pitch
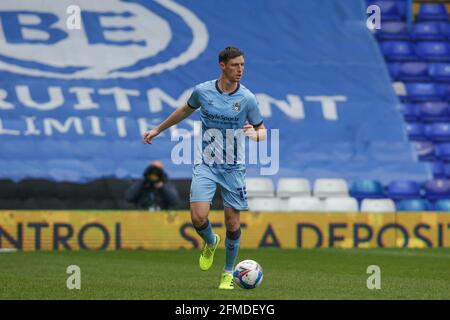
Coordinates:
(288,274)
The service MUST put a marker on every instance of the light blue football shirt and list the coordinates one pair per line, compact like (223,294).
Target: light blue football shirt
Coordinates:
(223,116)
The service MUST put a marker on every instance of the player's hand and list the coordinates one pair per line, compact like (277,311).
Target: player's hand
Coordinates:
(249,131)
(149,135)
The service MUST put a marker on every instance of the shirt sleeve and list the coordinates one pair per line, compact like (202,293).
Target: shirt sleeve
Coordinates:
(254,116)
(194,99)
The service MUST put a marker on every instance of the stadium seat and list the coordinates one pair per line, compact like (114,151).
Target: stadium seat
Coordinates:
(413,205)
(439,131)
(305,204)
(362,189)
(266,204)
(423,91)
(409,111)
(440,71)
(398,51)
(442,205)
(437,189)
(442,151)
(399,190)
(259,187)
(425,150)
(340,204)
(391,10)
(413,71)
(415,131)
(432,12)
(428,31)
(438,169)
(377,205)
(432,50)
(393,30)
(433,111)
(324,188)
(293,187)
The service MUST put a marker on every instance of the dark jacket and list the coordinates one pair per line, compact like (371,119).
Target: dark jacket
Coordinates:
(145,196)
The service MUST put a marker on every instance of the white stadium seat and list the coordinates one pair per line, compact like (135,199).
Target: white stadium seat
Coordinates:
(324,188)
(378,205)
(260,187)
(305,204)
(293,187)
(266,204)
(341,204)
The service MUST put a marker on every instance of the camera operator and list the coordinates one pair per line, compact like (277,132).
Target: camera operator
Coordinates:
(154,191)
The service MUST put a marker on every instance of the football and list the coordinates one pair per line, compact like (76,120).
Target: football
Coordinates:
(248,274)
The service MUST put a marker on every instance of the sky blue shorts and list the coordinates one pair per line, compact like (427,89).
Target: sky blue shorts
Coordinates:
(232,182)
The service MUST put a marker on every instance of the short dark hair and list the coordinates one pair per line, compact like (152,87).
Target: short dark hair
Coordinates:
(229,53)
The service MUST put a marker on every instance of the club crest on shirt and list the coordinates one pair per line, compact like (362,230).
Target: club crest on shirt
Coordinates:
(236,107)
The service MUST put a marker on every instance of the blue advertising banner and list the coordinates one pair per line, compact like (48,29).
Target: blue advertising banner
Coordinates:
(80,81)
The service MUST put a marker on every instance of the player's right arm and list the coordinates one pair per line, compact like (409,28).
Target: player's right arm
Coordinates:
(176,116)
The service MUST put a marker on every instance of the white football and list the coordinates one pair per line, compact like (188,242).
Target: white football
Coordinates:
(248,274)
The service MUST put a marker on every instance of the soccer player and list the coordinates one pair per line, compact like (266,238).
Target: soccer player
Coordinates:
(225,105)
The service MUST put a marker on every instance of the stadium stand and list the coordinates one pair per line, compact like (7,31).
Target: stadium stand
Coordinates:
(76,171)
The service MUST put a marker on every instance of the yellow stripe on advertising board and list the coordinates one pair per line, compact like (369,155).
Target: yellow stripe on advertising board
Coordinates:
(113,230)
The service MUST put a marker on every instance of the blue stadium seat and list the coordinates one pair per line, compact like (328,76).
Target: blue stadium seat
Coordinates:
(413,71)
(423,91)
(425,150)
(440,71)
(445,27)
(399,190)
(415,131)
(432,12)
(414,205)
(444,91)
(442,151)
(447,170)
(393,68)
(439,131)
(391,10)
(367,189)
(437,189)
(398,51)
(393,30)
(433,111)
(432,50)
(428,31)
(410,111)
(442,205)
(438,169)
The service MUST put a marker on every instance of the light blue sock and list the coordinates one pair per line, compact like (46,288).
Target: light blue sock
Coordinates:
(205,231)
(232,249)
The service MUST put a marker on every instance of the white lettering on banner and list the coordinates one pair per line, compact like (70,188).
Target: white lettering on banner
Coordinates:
(5,105)
(84,98)
(54,124)
(5,131)
(95,127)
(156,97)
(55,94)
(328,103)
(121,127)
(31,127)
(121,97)
(293,106)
